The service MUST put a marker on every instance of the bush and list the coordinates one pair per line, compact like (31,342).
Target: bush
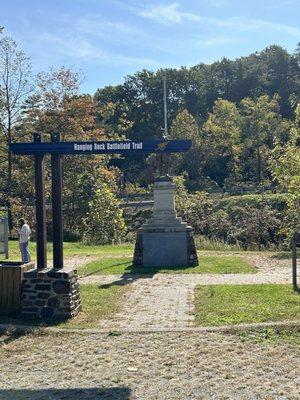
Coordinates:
(249,221)
(104,223)
(254,227)
(277,201)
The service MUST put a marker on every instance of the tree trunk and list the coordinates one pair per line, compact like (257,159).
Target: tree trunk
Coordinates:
(258,173)
(9,177)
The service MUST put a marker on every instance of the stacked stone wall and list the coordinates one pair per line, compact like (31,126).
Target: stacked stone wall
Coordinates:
(191,248)
(138,251)
(50,294)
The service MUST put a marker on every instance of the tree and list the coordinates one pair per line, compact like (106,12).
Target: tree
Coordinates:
(286,172)
(221,137)
(260,124)
(184,126)
(270,72)
(57,106)
(15,86)
(104,221)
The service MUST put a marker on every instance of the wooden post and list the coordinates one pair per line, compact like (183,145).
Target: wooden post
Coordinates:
(57,218)
(40,210)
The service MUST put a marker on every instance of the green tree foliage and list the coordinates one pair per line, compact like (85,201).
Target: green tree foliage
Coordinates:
(15,85)
(221,138)
(57,106)
(104,222)
(260,124)
(251,221)
(240,114)
(254,227)
(286,172)
(184,126)
(270,72)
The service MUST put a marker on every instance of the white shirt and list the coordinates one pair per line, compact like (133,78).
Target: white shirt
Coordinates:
(24,234)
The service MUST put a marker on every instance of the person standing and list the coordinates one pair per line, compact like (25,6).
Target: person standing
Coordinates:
(24,236)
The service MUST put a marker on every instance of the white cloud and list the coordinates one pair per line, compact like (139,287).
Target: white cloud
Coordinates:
(218,41)
(217,3)
(252,24)
(171,13)
(166,14)
(83,50)
(97,26)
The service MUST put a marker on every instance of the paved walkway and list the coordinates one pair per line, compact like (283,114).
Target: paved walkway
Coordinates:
(166,301)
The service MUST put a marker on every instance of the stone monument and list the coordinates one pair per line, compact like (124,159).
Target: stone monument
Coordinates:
(165,240)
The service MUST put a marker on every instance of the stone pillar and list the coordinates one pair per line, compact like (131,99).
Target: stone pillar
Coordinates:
(50,294)
(165,240)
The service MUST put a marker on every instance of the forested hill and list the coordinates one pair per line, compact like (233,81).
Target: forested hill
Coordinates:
(272,72)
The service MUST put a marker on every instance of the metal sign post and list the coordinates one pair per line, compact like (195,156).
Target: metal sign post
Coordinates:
(295,244)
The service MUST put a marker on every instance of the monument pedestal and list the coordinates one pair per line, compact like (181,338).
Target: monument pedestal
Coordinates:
(50,294)
(165,240)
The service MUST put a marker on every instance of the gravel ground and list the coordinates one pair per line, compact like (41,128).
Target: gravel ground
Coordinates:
(79,261)
(153,366)
(160,365)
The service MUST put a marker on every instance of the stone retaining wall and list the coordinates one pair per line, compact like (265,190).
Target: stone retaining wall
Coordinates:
(50,294)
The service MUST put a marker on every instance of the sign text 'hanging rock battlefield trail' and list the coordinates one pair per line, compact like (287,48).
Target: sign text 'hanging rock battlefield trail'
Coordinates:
(107,147)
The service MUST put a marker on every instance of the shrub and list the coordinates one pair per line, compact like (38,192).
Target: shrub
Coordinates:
(254,227)
(277,201)
(250,221)
(104,222)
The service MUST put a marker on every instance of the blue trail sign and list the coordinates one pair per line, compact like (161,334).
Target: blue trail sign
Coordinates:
(108,147)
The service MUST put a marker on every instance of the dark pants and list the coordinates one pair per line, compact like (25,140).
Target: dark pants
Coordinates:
(24,252)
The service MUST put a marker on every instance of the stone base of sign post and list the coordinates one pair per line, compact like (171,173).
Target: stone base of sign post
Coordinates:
(165,240)
(50,294)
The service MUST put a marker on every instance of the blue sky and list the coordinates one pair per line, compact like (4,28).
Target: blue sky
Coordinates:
(109,39)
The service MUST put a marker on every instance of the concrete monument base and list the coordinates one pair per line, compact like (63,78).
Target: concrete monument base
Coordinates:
(50,294)
(165,241)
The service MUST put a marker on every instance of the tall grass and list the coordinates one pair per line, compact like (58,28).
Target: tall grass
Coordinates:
(205,243)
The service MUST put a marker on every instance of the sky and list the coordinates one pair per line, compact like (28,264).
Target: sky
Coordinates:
(109,39)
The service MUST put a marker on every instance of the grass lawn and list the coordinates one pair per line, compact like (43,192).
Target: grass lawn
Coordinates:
(72,249)
(116,259)
(236,304)
(97,303)
(208,265)
(271,335)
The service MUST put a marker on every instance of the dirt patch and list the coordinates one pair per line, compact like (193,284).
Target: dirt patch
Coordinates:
(267,264)
(78,261)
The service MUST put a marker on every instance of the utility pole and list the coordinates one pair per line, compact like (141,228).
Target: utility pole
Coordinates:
(161,158)
(165,105)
